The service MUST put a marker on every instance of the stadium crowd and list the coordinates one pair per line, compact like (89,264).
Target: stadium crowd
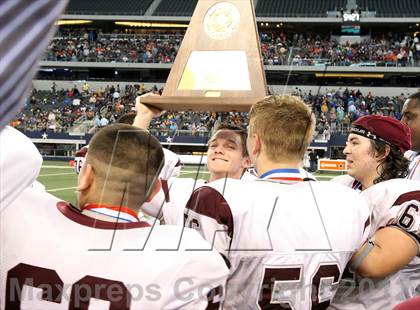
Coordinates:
(99,47)
(57,110)
(312,49)
(278,48)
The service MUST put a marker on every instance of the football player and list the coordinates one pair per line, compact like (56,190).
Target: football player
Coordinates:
(99,254)
(227,157)
(170,169)
(411,117)
(370,156)
(387,264)
(284,238)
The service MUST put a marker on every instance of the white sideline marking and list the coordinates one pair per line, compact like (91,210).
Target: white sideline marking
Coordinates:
(60,189)
(54,174)
(58,167)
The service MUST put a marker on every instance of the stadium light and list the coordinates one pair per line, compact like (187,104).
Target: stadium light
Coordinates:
(62,22)
(151,24)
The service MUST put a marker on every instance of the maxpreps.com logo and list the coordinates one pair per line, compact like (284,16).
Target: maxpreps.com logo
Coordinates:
(221,20)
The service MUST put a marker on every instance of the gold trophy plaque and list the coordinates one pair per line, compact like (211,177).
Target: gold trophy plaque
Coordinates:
(218,66)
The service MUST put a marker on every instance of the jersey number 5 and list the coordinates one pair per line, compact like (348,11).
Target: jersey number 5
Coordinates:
(276,281)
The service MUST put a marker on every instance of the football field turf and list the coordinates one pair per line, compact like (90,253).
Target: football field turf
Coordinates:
(60,179)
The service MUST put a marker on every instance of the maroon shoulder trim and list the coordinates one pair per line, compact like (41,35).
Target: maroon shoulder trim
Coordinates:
(75,215)
(82,152)
(209,202)
(367,223)
(414,195)
(178,163)
(165,189)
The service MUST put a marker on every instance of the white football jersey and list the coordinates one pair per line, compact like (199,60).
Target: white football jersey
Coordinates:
(179,193)
(172,166)
(394,203)
(169,203)
(287,244)
(39,186)
(348,181)
(414,168)
(54,257)
(20,163)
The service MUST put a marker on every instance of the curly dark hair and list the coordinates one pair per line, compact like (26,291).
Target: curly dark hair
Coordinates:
(394,166)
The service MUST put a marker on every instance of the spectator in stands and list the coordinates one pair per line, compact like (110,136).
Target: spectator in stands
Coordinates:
(330,110)
(305,49)
(313,161)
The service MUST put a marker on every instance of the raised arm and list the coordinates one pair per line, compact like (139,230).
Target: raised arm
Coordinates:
(20,163)
(145,113)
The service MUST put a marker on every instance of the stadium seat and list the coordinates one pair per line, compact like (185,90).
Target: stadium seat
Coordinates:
(98,7)
(390,8)
(291,8)
(176,8)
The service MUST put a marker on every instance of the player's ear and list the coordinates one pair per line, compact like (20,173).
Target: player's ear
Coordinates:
(381,156)
(256,149)
(86,177)
(156,188)
(246,162)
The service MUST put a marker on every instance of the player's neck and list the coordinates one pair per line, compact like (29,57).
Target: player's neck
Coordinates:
(214,176)
(265,166)
(110,213)
(368,181)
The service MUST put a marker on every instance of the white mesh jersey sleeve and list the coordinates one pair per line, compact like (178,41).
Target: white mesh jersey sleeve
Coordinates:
(179,194)
(20,163)
(170,201)
(172,166)
(395,203)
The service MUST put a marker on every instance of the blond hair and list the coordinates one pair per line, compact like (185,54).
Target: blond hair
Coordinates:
(285,125)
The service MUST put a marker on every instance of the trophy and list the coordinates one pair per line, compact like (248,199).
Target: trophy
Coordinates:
(218,66)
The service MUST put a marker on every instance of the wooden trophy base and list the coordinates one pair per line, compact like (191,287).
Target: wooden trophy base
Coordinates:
(205,104)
